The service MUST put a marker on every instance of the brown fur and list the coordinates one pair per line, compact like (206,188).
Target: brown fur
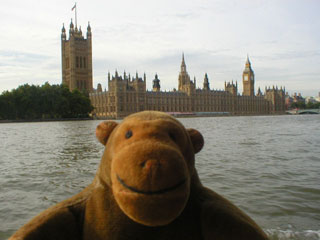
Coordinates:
(146,187)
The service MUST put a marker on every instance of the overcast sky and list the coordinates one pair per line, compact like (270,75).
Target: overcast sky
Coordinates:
(282,38)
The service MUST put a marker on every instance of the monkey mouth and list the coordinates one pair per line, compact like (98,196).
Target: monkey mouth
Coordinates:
(161,191)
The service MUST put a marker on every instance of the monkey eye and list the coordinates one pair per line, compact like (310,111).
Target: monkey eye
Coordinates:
(128,134)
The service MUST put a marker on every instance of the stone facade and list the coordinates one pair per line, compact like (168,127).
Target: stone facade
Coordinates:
(127,95)
(76,59)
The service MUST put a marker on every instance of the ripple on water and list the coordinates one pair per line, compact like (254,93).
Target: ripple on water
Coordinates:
(268,166)
(278,234)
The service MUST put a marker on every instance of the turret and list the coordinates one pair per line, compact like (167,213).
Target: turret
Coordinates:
(156,84)
(259,94)
(99,88)
(183,64)
(89,31)
(71,30)
(206,82)
(63,33)
(185,84)
(231,88)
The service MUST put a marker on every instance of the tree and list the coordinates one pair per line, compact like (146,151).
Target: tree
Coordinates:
(299,105)
(6,106)
(47,101)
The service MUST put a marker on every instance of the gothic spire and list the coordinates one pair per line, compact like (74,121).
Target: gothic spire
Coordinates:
(248,61)
(156,84)
(248,65)
(63,33)
(183,64)
(63,29)
(206,82)
(71,24)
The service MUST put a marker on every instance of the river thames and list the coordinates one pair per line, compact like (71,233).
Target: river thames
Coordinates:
(269,166)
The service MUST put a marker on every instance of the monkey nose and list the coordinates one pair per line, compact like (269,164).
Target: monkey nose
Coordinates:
(151,163)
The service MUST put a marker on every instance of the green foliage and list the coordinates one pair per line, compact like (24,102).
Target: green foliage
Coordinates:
(299,105)
(43,102)
(302,105)
(311,105)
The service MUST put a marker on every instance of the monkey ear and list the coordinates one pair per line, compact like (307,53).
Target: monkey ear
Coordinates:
(104,130)
(196,139)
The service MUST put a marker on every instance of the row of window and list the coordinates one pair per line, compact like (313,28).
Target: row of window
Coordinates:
(81,62)
(176,104)
(82,84)
(133,108)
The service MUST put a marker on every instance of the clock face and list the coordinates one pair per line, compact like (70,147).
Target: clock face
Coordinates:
(245,77)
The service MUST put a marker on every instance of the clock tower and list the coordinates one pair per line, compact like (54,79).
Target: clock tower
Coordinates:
(248,79)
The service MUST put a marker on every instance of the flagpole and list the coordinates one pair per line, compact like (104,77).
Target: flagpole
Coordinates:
(75,12)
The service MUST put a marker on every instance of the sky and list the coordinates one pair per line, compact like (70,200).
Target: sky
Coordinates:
(281,38)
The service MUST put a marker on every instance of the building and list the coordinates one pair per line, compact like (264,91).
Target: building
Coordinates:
(76,54)
(248,79)
(297,98)
(310,99)
(128,94)
(318,97)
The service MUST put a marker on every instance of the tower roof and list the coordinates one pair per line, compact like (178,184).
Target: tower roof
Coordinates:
(248,61)
(63,28)
(71,24)
(183,65)
(248,65)
(206,77)
(182,62)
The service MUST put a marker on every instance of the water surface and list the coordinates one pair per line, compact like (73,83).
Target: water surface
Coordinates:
(267,165)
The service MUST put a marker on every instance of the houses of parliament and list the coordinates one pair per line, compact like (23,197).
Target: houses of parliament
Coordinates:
(128,94)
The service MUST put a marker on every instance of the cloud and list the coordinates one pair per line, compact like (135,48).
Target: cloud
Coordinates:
(150,36)
(18,57)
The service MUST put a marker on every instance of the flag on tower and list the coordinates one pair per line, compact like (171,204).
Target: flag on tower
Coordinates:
(75,5)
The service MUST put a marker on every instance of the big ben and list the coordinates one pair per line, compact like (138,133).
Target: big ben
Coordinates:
(248,79)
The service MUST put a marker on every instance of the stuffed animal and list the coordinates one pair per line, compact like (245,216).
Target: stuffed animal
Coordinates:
(146,187)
